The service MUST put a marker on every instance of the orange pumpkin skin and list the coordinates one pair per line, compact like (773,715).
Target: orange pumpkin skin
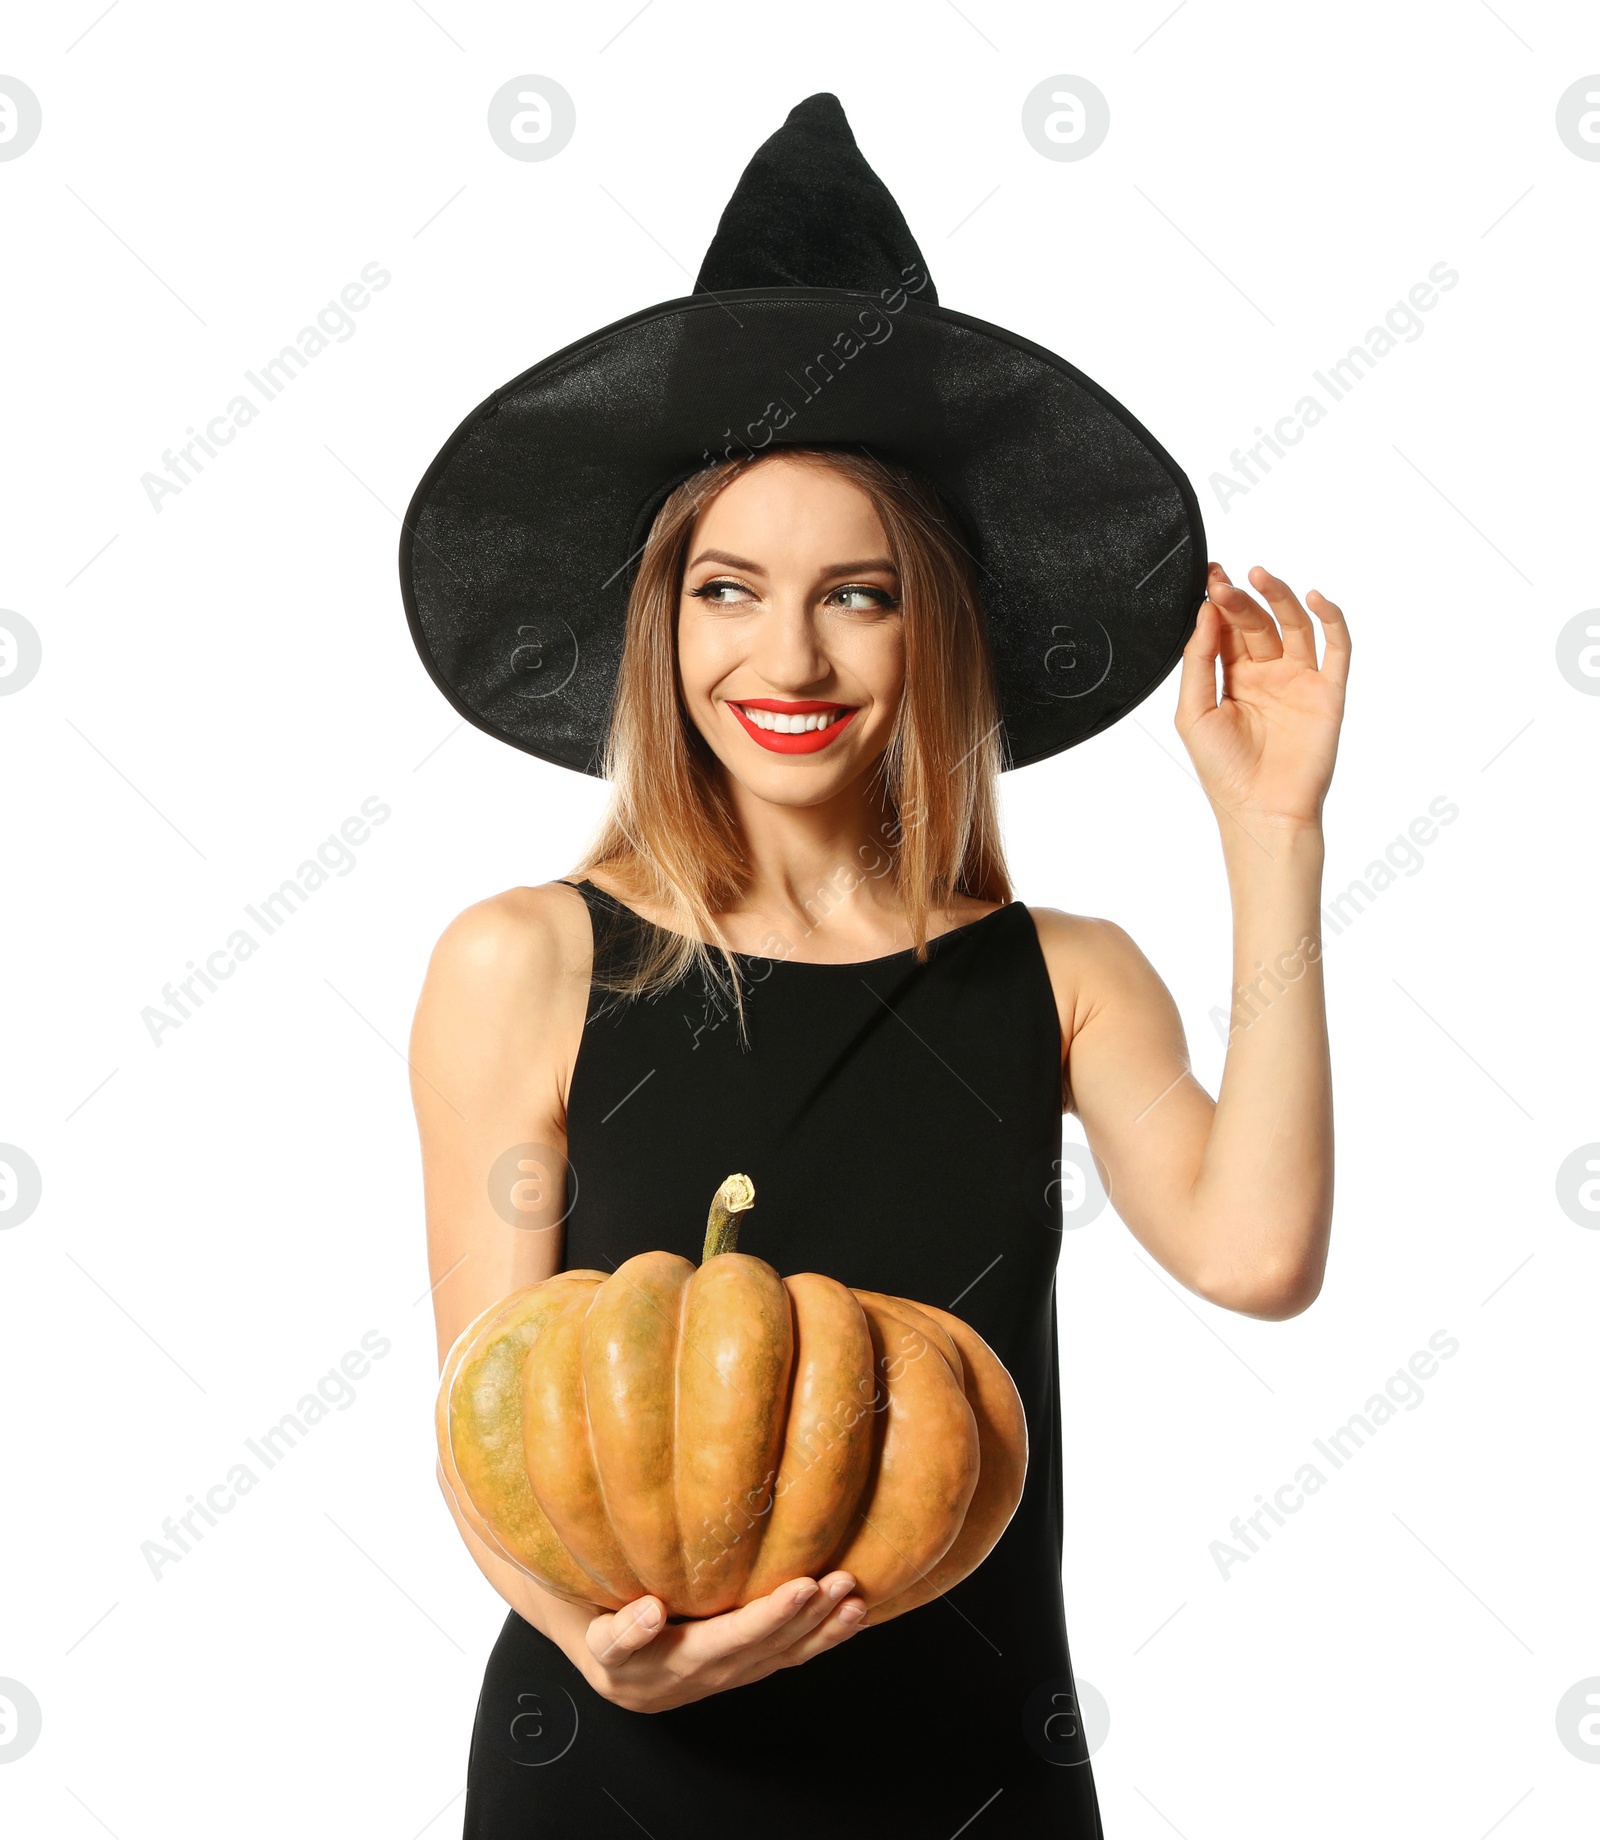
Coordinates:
(706,1433)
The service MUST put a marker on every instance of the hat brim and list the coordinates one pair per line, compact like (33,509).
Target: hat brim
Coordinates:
(518,548)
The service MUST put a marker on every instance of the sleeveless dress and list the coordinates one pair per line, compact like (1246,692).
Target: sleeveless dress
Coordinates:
(902,1126)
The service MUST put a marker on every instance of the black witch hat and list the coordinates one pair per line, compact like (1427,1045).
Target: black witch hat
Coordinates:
(813,322)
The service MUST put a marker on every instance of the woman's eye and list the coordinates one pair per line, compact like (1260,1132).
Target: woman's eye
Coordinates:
(856,598)
(863,599)
(719,593)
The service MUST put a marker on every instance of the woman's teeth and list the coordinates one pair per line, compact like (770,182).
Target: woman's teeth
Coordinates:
(789,725)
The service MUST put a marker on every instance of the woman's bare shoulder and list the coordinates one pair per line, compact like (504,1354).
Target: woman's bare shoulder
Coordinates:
(1092,962)
(502,1007)
(521,932)
(524,951)
(1082,934)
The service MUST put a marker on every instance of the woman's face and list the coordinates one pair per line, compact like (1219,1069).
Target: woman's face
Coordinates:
(791,649)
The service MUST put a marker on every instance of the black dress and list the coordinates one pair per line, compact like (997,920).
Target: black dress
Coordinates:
(902,1125)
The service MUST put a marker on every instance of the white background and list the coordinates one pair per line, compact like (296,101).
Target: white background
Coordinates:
(225,680)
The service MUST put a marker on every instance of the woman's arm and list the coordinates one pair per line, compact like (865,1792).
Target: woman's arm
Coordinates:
(497,1026)
(1233,1197)
(496,1032)
(495,1039)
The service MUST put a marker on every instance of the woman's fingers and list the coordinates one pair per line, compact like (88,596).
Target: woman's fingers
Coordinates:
(835,1594)
(770,1619)
(834,1613)
(707,1655)
(843,1618)
(1299,636)
(1335,637)
(616,1636)
(798,1620)
(774,1623)
(1197,687)
(1248,630)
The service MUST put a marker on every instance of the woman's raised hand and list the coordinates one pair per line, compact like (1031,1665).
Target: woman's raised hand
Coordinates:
(1264,751)
(635,1658)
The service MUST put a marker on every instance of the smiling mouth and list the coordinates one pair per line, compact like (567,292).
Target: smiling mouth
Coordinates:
(790,727)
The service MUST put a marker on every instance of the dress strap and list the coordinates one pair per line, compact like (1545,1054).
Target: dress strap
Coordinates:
(617,930)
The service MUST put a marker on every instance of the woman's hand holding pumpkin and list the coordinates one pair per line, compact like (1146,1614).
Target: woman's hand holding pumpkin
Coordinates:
(637,1659)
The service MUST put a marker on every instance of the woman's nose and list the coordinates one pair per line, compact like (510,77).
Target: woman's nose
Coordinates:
(789,652)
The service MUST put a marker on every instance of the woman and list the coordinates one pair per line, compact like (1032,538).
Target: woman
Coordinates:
(794,950)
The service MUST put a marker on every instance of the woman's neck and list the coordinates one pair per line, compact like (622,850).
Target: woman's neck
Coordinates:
(820,876)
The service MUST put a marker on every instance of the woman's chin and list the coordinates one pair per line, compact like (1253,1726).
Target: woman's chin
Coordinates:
(784,786)
(795,780)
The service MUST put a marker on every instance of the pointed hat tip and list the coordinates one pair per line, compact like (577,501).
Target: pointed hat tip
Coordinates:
(821,115)
(809,211)
(823,103)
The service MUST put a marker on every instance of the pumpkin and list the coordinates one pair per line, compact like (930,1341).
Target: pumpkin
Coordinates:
(706,1433)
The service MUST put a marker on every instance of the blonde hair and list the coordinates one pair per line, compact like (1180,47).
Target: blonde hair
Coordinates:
(670,837)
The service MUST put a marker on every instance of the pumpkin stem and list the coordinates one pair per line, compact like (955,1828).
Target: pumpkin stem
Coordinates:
(722,1224)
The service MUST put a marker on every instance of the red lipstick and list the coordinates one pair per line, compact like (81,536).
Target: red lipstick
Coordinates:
(810,741)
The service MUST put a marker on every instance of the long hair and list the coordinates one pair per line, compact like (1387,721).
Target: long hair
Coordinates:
(670,837)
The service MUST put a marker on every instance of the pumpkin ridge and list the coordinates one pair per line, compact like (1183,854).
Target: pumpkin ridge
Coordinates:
(731,1434)
(630,1339)
(785,1410)
(919,1499)
(824,1450)
(612,1592)
(1003,1460)
(588,1426)
(869,1482)
(454,1363)
(677,1431)
(922,1318)
(480,1392)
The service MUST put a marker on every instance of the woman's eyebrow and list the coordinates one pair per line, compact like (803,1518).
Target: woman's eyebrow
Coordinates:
(727,561)
(730,561)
